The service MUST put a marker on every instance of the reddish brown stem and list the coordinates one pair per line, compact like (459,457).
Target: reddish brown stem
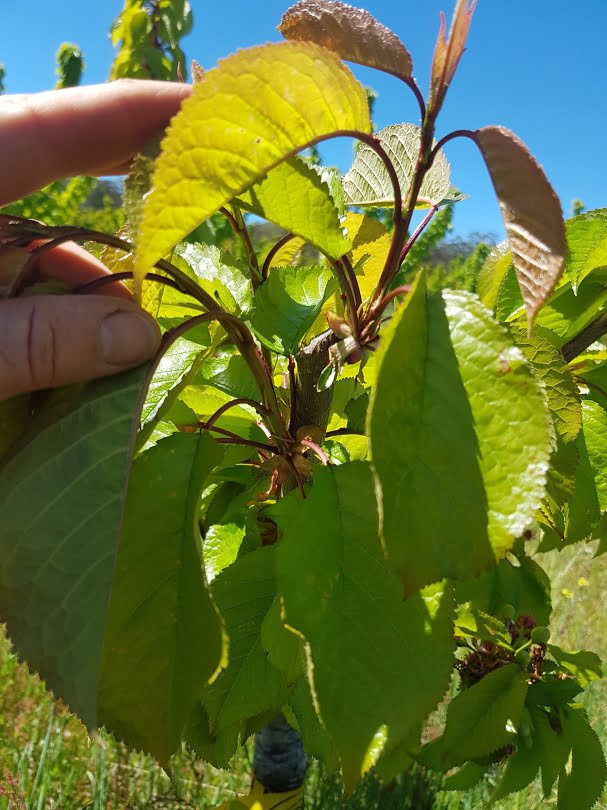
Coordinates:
(293,392)
(263,412)
(405,289)
(237,222)
(234,438)
(239,331)
(458,133)
(353,280)
(417,233)
(103,281)
(399,238)
(273,251)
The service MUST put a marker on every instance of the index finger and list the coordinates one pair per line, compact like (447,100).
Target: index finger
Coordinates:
(79,130)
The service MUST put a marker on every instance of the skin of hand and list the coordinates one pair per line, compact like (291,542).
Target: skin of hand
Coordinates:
(53,340)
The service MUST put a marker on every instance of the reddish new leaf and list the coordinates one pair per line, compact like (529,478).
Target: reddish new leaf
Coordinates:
(448,52)
(531,212)
(351,33)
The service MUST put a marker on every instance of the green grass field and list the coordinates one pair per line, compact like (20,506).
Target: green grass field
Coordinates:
(48,761)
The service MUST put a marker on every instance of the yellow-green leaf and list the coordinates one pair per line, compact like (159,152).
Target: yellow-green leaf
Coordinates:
(371,239)
(460,438)
(294,196)
(258,107)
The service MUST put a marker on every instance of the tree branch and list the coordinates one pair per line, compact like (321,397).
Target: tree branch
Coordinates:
(311,406)
(585,338)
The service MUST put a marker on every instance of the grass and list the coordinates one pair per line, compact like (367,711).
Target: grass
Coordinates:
(48,761)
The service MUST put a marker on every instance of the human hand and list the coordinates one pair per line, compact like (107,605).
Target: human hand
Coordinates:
(48,341)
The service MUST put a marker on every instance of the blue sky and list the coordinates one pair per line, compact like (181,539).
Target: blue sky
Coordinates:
(538,67)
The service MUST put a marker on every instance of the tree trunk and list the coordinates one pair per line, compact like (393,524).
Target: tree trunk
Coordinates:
(280,762)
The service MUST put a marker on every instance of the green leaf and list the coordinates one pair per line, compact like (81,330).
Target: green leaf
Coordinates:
(244,593)
(550,744)
(287,304)
(467,777)
(561,475)
(220,548)
(460,438)
(492,275)
(583,776)
(317,742)
(587,241)
(567,312)
(368,182)
(294,196)
(473,623)
(58,547)
(526,587)
(331,177)
(391,761)
(583,511)
(553,691)
(327,377)
(356,411)
(164,637)
(550,367)
(363,639)
(216,749)
(595,434)
(510,300)
(227,373)
(217,273)
(258,107)
(521,769)
(171,372)
(352,33)
(583,665)
(284,648)
(592,370)
(480,719)
(531,212)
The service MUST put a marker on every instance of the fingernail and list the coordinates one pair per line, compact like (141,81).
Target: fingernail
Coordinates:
(128,338)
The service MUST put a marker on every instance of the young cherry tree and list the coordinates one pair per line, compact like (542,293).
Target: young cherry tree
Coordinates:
(277,519)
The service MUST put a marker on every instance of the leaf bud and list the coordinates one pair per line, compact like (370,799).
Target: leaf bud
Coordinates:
(508,612)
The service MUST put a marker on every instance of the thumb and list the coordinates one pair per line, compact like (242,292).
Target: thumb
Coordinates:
(48,341)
